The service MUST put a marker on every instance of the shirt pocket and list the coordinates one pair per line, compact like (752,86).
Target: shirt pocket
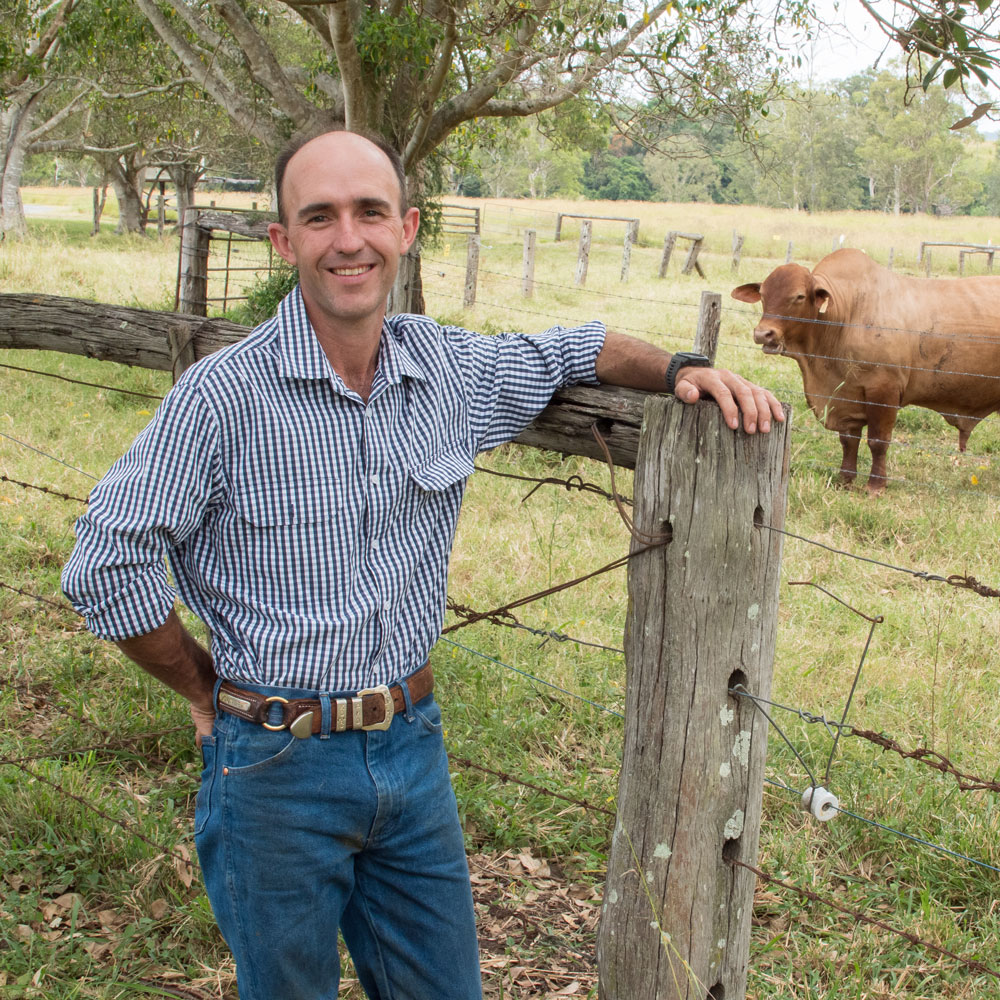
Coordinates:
(290,546)
(276,505)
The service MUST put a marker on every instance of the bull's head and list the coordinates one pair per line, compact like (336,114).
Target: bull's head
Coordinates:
(791,297)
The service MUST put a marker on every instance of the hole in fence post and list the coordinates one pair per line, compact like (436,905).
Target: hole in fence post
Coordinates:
(731,850)
(758,516)
(717,992)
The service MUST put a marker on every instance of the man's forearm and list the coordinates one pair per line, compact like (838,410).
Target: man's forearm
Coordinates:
(633,363)
(172,655)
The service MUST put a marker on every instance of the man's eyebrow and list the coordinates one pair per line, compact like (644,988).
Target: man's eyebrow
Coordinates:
(325,207)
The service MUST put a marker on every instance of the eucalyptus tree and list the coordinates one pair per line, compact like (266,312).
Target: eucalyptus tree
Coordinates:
(425,73)
(32,103)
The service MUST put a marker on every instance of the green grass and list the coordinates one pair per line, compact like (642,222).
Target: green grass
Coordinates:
(930,678)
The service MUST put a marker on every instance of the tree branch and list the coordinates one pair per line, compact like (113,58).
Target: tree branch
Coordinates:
(263,66)
(431,92)
(209,77)
(313,16)
(57,119)
(344,23)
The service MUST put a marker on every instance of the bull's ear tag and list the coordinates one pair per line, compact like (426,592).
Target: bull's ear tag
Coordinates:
(823,305)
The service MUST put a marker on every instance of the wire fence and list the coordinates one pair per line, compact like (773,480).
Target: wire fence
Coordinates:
(502,617)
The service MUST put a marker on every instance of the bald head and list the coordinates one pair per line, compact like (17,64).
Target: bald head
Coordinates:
(361,143)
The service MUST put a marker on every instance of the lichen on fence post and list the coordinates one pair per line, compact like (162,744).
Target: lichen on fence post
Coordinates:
(702,618)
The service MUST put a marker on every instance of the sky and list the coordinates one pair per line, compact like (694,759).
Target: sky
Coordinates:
(849,42)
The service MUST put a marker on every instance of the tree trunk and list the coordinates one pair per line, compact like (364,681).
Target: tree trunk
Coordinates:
(895,192)
(127,180)
(15,126)
(185,177)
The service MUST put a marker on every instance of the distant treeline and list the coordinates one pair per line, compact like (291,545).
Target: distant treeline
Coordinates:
(855,144)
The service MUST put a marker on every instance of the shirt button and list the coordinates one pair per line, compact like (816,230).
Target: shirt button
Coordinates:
(373,480)
(387,606)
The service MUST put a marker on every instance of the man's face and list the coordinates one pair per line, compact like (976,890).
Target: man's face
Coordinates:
(343,230)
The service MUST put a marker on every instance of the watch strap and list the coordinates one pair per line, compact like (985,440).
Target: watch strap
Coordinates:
(684,359)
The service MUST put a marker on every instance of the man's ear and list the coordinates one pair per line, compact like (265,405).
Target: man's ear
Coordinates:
(280,241)
(411,223)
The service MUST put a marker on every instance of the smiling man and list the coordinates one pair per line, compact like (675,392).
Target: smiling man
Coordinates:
(305,485)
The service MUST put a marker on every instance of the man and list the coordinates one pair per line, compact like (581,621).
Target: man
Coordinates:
(305,485)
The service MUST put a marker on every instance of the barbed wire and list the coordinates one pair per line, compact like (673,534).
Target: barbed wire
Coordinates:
(511,779)
(77,381)
(119,743)
(59,605)
(970,963)
(128,826)
(571,483)
(508,620)
(42,489)
(958,580)
(473,617)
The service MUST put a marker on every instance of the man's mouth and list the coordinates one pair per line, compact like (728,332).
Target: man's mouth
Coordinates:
(351,272)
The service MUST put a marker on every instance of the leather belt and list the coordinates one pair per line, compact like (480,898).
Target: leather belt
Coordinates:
(372,708)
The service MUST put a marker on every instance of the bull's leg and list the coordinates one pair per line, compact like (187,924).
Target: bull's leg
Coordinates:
(850,441)
(881,420)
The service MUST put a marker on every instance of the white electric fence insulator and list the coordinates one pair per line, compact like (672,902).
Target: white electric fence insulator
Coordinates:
(821,803)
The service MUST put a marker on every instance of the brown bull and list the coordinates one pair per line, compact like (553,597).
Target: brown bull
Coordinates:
(869,342)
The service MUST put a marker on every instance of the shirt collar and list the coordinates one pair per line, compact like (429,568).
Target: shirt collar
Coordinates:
(301,356)
(299,352)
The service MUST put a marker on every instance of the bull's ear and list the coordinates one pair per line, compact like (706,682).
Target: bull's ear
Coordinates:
(822,299)
(747,293)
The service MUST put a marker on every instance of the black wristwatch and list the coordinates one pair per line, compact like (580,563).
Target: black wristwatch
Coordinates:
(684,359)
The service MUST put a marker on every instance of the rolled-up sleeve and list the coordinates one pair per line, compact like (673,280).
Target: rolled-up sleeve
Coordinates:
(150,500)
(511,376)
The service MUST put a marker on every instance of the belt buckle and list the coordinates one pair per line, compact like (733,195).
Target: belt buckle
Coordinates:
(390,708)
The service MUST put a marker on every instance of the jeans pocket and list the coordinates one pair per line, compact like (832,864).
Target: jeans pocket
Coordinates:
(257,749)
(428,711)
(203,802)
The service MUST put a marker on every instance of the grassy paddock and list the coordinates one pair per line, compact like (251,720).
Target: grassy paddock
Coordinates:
(91,910)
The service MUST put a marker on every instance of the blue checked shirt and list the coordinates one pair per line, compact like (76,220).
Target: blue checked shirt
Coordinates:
(308,530)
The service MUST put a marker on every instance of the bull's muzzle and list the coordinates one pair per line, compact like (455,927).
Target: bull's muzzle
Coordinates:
(767,337)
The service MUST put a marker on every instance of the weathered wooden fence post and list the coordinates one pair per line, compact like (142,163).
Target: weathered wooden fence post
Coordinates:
(668,249)
(192,291)
(471,271)
(161,208)
(691,263)
(702,619)
(559,219)
(788,254)
(583,260)
(626,253)
(927,263)
(706,338)
(528,270)
(892,257)
(737,249)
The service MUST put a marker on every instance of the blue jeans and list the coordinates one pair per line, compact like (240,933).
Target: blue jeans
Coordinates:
(356,830)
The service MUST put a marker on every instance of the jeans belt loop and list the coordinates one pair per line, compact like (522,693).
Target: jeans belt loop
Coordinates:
(327,716)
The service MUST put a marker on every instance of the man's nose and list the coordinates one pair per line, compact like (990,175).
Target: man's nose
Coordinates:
(347,236)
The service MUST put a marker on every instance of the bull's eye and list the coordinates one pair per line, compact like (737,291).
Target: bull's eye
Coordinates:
(800,297)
